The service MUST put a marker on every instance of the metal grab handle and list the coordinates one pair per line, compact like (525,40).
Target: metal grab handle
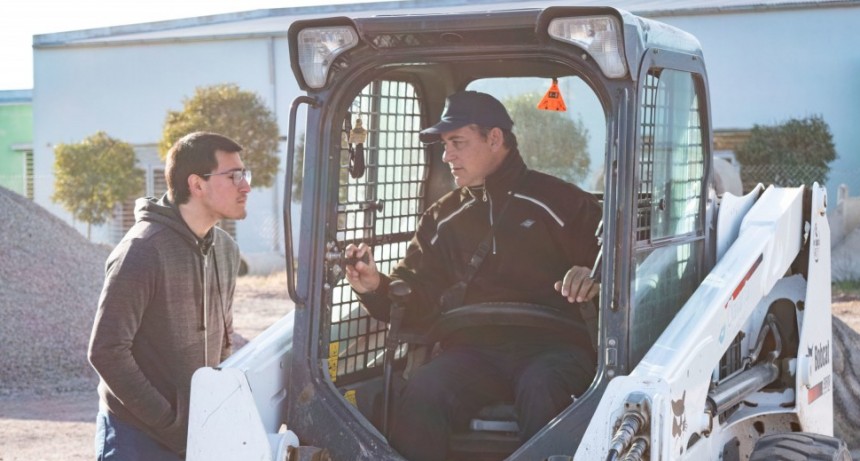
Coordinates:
(288,195)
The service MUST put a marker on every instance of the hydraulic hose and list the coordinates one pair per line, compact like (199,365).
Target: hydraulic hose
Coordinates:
(637,450)
(631,423)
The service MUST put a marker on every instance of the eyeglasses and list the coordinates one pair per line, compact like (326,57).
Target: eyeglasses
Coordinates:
(236,175)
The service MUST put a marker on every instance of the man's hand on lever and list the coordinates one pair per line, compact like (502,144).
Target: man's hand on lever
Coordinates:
(577,285)
(362,276)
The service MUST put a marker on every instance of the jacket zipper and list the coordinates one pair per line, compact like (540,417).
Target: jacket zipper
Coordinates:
(489,199)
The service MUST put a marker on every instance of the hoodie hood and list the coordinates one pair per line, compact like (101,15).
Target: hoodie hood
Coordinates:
(164,212)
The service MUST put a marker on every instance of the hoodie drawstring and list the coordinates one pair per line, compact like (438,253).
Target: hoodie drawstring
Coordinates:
(205,310)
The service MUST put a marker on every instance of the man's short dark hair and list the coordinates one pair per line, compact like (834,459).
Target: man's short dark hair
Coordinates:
(509,139)
(194,153)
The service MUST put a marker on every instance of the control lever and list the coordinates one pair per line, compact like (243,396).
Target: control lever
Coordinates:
(338,262)
(335,256)
(352,260)
(398,291)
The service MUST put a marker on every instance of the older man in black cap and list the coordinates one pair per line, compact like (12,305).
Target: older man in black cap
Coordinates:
(506,234)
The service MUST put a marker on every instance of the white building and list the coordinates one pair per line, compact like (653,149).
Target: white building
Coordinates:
(768,61)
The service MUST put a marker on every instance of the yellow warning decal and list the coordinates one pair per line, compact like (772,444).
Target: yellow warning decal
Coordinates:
(350,397)
(552,100)
(333,349)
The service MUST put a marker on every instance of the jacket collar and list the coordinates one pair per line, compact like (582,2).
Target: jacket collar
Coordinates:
(508,175)
(503,179)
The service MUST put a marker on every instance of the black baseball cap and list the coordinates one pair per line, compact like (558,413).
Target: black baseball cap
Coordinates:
(465,108)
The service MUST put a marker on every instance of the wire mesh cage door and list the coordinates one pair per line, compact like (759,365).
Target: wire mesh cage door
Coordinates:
(383,170)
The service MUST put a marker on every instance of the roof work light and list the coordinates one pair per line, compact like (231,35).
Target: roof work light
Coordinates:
(599,36)
(319,47)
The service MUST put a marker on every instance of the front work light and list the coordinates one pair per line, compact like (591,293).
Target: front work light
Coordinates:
(599,36)
(319,47)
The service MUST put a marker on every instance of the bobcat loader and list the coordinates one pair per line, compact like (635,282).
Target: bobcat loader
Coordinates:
(713,325)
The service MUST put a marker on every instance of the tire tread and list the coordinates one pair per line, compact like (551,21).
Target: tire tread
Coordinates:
(800,446)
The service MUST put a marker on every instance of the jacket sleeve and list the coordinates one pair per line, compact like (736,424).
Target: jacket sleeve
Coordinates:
(130,279)
(423,269)
(377,302)
(580,243)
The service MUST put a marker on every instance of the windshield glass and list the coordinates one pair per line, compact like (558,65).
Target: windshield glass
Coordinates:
(569,144)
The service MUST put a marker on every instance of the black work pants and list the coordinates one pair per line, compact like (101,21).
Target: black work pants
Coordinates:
(443,395)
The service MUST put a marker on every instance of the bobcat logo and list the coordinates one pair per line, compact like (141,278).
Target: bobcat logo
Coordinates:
(819,355)
(679,421)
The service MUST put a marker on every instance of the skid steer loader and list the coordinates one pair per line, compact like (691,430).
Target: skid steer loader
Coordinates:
(713,326)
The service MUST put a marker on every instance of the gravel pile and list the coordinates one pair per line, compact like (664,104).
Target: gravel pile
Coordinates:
(50,281)
(846,384)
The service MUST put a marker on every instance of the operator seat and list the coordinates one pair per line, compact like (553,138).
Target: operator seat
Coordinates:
(493,432)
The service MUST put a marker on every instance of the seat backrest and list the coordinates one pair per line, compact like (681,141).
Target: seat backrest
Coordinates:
(494,429)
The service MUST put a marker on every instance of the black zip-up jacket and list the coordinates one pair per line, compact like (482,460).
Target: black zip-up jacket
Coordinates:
(547,228)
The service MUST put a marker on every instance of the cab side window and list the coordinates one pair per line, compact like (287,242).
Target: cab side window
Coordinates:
(669,244)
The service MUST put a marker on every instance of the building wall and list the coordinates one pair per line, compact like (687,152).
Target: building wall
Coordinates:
(767,67)
(16,130)
(127,91)
(764,68)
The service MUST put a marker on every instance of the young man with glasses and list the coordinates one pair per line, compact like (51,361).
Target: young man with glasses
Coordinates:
(166,306)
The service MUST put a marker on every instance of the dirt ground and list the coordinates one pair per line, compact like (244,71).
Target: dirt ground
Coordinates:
(61,427)
(847,308)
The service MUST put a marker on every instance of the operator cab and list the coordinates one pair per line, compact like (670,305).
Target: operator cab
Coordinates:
(626,121)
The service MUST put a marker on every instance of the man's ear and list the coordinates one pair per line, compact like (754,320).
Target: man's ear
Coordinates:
(496,138)
(195,185)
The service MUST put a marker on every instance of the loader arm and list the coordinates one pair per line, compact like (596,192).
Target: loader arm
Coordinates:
(237,409)
(676,373)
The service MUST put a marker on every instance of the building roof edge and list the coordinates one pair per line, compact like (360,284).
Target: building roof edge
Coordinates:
(58,39)
(16,96)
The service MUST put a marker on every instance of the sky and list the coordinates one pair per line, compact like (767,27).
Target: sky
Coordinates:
(21,19)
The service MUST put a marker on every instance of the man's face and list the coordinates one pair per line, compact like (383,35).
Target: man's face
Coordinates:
(221,197)
(472,157)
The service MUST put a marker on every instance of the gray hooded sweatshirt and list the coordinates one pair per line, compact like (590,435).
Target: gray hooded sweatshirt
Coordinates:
(153,321)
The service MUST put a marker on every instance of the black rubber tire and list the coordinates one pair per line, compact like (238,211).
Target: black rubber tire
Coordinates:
(800,446)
